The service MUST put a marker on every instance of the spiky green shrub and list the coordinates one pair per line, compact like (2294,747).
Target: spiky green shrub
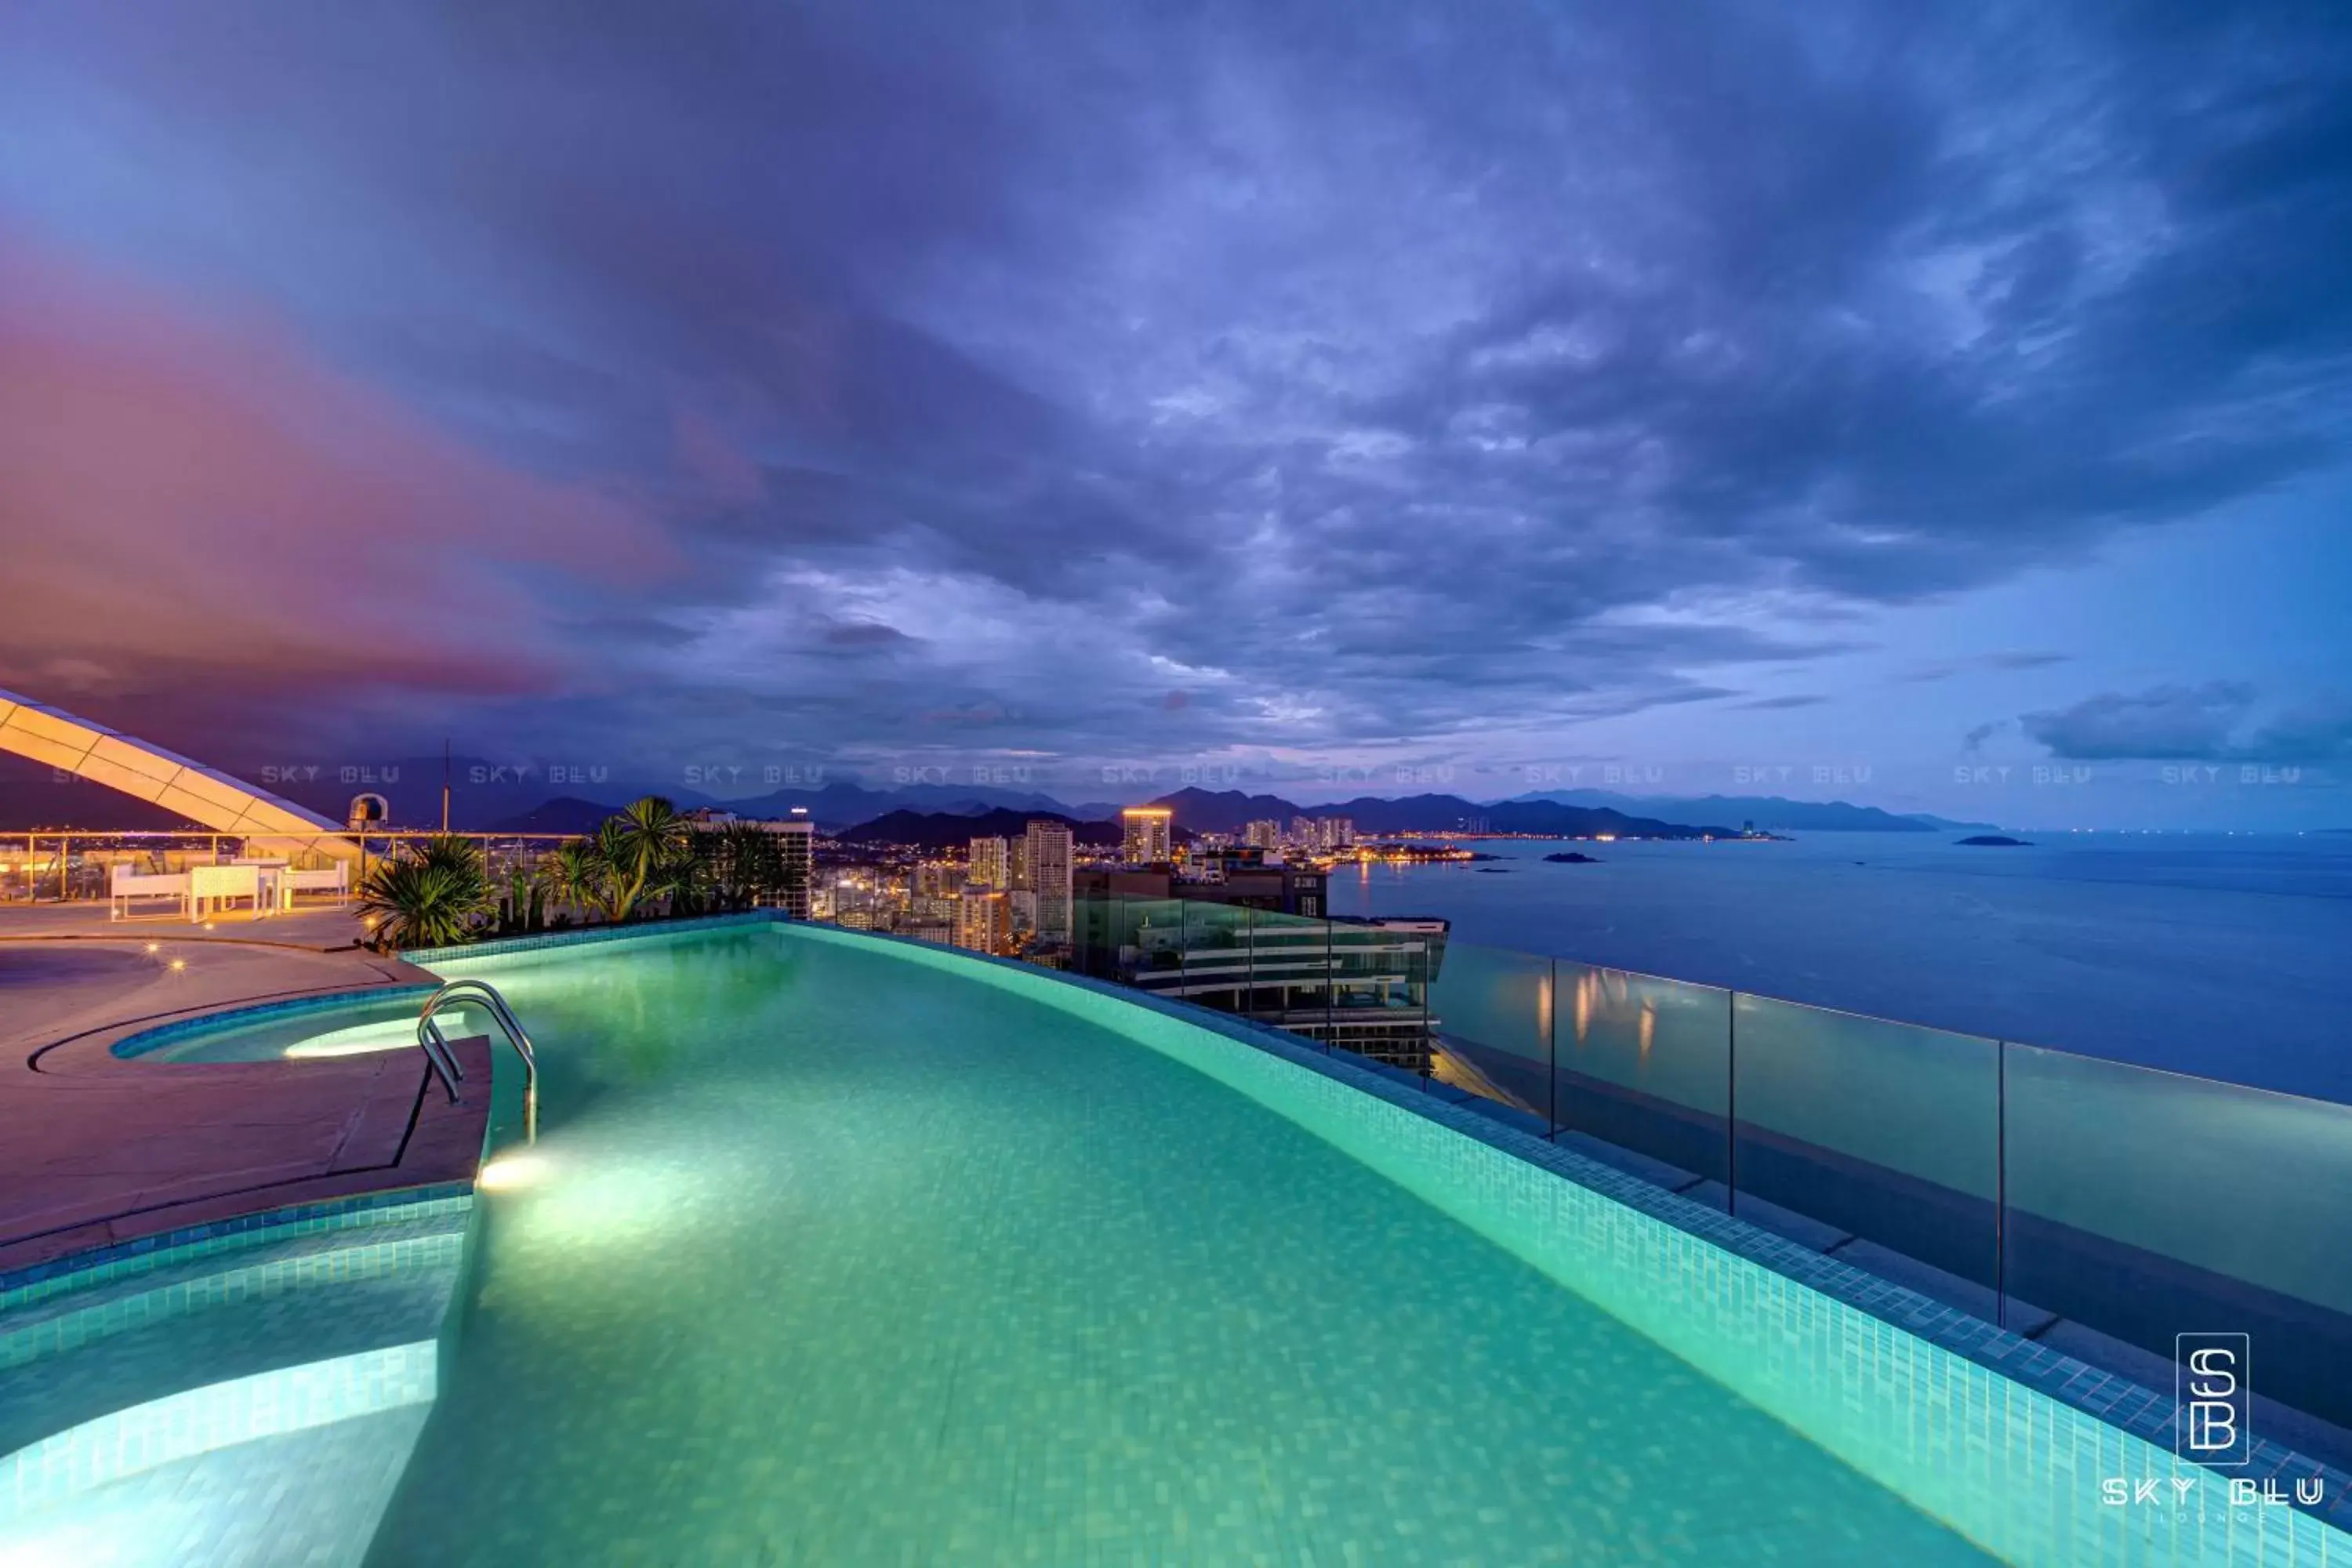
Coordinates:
(434,894)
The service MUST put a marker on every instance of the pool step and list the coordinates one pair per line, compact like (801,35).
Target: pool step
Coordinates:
(265,1267)
(64,1470)
(232,1505)
(146,1339)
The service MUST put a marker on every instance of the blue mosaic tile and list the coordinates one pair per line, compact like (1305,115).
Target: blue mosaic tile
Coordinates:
(80,1269)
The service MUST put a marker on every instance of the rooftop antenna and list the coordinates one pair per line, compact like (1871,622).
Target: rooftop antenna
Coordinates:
(444,784)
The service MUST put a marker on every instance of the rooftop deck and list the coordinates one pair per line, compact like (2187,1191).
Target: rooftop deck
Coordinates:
(96,1149)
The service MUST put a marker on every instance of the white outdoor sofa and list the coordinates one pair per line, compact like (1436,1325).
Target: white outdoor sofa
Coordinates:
(334,881)
(127,883)
(218,885)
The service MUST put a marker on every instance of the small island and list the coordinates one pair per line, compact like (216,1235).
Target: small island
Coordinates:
(1494,870)
(1572,858)
(1994,841)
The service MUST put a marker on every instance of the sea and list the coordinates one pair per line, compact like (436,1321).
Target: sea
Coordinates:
(2227,956)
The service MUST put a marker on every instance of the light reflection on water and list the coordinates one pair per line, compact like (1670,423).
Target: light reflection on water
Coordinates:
(2215,956)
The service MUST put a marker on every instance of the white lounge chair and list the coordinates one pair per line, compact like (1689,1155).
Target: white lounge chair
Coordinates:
(217,885)
(126,883)
(336,881)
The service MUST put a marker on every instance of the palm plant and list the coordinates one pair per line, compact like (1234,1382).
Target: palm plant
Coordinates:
(750,865)
(574,873)
(648,845)
(615,894)
(432,895)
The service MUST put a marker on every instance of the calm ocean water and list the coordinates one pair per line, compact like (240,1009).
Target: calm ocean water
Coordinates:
(2230,957)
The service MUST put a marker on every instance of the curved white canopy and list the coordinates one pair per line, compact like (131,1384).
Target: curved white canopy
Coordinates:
(213,799)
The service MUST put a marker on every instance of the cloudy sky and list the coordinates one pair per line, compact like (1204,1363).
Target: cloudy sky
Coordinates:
(1944,407)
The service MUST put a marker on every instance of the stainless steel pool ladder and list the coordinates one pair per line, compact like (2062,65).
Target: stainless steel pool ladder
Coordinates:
(436,1045)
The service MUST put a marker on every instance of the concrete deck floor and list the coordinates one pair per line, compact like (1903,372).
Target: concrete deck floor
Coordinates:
(96,1149)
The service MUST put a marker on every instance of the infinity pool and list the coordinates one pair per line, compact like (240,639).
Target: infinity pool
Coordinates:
(835,1250)
(835,1257)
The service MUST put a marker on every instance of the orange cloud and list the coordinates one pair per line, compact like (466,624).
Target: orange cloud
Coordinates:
(185,498)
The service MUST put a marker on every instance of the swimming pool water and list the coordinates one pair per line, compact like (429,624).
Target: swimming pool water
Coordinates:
(838,1258)
(839,1249)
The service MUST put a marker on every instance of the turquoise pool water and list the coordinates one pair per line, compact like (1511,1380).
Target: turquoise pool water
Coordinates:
(841,1251)
(837,1258)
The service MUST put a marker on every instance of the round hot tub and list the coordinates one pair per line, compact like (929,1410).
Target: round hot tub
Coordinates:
(383,1018)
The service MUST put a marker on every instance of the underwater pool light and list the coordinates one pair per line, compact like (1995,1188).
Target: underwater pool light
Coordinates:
(508,1171)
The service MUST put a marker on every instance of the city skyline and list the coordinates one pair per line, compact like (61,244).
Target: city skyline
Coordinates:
(1943,411)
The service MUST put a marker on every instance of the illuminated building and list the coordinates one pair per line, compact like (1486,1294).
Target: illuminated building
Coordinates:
(1050,846)
(991,864)
(984,919)
(796,839)
(1146,841)
(1265,834)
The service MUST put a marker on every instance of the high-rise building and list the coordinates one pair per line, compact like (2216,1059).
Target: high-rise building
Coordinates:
(1050,855)
(1266,834)
(1147,834)
(797,837)
(790,873)
(938,879)
(931,900)
(991,863)
(1302,830)
(1334,832)
(984,919)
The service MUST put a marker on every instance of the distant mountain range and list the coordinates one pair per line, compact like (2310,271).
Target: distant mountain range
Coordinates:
(1771,810)
(486,796)
(944,829)
(1228,811)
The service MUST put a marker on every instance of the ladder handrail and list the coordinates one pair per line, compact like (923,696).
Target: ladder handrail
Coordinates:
(429,1036)
(445,1066)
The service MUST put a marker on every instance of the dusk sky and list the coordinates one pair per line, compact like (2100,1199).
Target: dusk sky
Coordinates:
(1325,398)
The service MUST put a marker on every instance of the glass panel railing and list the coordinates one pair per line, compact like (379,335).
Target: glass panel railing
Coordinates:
(1886,1132)
(1217,956)
(1643,1065)
(1491,1028)
(1151,948)
(1094,935)
(2142,1204)
(1379,991)
(1290,973)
